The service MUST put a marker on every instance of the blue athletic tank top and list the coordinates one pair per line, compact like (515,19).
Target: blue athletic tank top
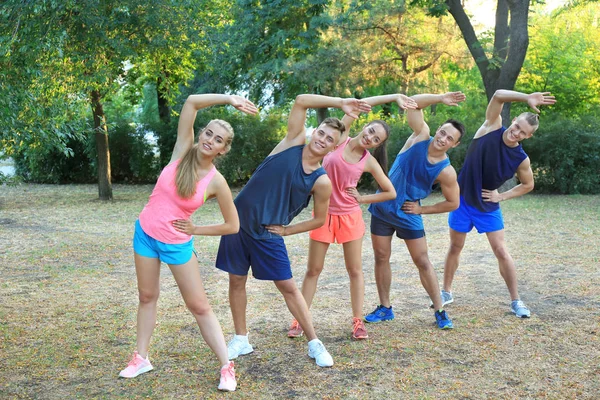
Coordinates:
(413,177)
(278,190)
(488,164)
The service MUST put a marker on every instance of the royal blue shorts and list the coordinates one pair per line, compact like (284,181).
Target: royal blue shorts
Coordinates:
(380,227)
(147,246)
(466,217)
(268,258)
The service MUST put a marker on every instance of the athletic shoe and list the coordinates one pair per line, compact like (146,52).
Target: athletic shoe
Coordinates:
(228,382)
(446,298)
(137,366)
(238,346)
(443,321)
(317,350)
(295,330)
(520,309)
(358,329)
(380,313)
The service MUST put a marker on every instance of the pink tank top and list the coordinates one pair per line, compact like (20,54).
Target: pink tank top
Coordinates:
(165,206)
(343,175)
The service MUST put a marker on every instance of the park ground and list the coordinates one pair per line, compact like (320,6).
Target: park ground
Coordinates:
(68,303)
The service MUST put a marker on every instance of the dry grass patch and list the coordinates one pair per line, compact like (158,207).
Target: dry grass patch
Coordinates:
(68,303)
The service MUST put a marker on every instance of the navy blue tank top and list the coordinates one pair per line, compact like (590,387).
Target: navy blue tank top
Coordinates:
(413,177)
(278,190)
(488,164)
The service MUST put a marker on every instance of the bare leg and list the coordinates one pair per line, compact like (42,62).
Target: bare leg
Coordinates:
(353,259)
(505,262)
(238,301)
(148,278)
(457,242)
(418,251)
(190,285)
(382,249)
(297,306)
(316,260)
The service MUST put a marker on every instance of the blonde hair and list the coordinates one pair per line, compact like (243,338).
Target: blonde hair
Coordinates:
(532,119)
(187,176)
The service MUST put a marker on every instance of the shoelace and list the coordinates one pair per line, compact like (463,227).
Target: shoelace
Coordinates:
(519,304)
(295,325)
(229,372)
(357,325)
(135,361)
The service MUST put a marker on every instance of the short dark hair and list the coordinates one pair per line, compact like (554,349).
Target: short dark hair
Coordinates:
(456,124)
(334,123)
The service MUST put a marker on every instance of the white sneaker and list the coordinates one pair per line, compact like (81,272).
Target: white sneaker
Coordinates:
(238,346)
(317,350)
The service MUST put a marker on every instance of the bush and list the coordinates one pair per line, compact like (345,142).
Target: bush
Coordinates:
(564,156)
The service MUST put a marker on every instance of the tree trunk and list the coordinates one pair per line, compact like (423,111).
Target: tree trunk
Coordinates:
(164,111)
(101,132)
(322,113)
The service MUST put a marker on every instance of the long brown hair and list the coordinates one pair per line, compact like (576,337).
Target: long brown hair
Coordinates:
(187,176)
(380,152)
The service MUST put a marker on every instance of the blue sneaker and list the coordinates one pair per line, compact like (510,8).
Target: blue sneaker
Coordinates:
(443,321)
(520,309)
(380,313)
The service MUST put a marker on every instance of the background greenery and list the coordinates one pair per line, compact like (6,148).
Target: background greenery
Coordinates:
(138,61)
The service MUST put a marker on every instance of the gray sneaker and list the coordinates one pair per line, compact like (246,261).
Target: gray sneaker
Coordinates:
(520,309)
(446,298)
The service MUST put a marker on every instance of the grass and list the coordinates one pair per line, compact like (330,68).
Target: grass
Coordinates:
(68,303)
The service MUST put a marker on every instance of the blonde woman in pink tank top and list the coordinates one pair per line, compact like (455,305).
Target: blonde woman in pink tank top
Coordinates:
(164,230)
(345,224)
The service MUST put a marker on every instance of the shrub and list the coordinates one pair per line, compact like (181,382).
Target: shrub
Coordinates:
(565,156)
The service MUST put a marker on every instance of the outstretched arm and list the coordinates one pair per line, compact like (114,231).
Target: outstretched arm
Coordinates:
(297,118)
(321,193)
(231,223)
(195,102)
(493,119)
(387,191)
(525,175)
(450,190)
(416,120)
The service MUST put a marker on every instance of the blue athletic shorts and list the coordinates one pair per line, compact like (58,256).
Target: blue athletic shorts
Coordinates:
(268,258)
(147,246)
(466,217)
(380,227)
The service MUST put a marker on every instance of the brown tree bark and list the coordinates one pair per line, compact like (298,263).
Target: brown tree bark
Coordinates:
(101,133)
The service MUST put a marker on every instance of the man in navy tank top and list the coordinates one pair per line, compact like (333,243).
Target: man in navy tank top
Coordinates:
(279,189)
(494,156)
(420,164)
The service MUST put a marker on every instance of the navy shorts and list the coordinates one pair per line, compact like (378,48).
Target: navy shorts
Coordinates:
(380,227)
(268,258)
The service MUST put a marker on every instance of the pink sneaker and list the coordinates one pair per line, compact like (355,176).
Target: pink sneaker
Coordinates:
(228,382)
(358,329)
(137,366)
(295,330)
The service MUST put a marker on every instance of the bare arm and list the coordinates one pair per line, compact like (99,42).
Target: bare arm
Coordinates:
(493,118)
(450,191)
(195,102)
(416,120)
(297,118)
(321,193)
(387,189)
(525,175)
(218,188)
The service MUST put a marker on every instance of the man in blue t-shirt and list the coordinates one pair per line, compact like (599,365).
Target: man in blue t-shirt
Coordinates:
(279,189)
(492,158)
(420,164)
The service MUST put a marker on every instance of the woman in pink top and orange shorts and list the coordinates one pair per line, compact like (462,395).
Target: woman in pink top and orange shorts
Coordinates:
(164,230)
(345,224)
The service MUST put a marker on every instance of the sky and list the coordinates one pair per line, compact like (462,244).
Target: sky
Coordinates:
(484,11)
